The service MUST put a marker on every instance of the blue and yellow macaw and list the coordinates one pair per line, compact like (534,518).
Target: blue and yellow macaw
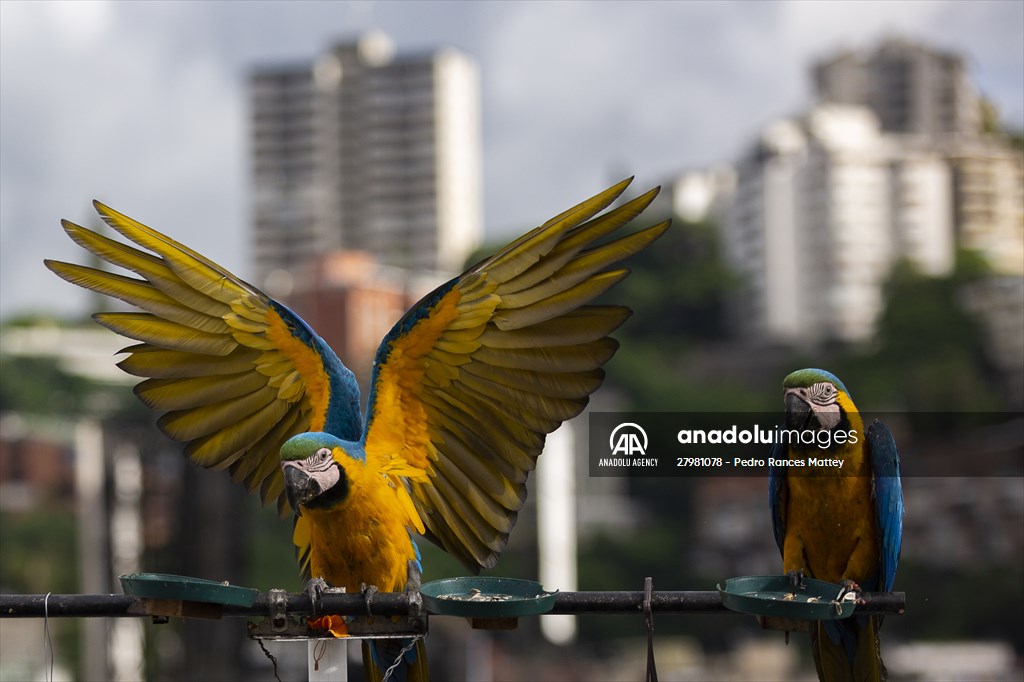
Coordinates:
(463,390)
(841,526)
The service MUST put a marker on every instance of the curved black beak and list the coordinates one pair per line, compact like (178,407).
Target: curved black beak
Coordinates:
(299,487)
(798,412)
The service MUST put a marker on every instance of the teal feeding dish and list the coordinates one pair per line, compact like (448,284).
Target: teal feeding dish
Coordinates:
(183,588)
(775,596)
(486,597)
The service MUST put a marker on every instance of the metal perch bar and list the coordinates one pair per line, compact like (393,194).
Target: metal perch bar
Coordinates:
(394,604)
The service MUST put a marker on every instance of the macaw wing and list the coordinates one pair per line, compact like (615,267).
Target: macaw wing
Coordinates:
(888,492)
(234,372)
(467,385)
(777,496)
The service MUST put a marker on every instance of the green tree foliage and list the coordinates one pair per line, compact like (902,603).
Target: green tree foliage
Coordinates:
(38,385)
(930,355)
(677,288)
(40,552)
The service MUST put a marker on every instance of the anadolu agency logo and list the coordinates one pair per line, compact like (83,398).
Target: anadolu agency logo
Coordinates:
(627,446)
(628,439)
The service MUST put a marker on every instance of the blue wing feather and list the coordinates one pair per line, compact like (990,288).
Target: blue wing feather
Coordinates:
(885,467)
(415,314)
(776,495)
(343,418)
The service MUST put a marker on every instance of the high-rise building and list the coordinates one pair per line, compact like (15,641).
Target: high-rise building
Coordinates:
(924,98)
(988,200)
(368,150)
(822,209)
(910,88)
(285,179)
(892,163)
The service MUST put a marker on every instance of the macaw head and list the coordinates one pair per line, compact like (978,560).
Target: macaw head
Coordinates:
(815,399)
(313,476)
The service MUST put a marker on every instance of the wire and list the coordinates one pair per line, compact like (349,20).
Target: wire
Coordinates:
(401,654)
(273,659)
(47,641)
(319,649)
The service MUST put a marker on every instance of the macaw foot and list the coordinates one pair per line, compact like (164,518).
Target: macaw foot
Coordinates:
(368,592)
(315,589)
(332,624)
(796,579)
(413,578)
(412,589)
(851,592)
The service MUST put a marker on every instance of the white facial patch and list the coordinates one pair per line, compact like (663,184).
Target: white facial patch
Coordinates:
(320,467)
(822,399)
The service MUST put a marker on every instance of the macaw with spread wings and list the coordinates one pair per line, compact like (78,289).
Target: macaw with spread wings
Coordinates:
(463,390)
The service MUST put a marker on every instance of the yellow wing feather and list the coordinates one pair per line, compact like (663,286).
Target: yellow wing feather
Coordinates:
(469,383)
(217,357)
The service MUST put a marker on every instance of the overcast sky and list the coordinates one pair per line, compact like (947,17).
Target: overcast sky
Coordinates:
(143,105)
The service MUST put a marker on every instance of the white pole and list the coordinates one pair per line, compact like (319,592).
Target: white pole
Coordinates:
(556,527)
(92,540)
(126,634)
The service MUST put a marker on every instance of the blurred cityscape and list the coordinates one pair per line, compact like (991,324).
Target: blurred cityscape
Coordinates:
(879,234)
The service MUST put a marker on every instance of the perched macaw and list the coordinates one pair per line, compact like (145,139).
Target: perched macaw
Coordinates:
(841,526)
(463,390)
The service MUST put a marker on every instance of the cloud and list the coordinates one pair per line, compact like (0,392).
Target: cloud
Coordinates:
(987,33)
(122,112)
(80,25)
(586,92)
(143,105)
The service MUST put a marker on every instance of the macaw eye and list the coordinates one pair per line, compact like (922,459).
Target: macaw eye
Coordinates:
(823,392)
(323,454)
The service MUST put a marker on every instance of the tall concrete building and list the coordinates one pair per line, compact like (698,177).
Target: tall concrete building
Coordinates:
(924,98)
(988,199)
(891,163)
(366,149)
(823,207)
(910,88)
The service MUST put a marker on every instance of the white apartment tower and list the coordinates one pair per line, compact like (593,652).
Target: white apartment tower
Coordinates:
(368,150)
(924,98)
(821,210)
(890,164)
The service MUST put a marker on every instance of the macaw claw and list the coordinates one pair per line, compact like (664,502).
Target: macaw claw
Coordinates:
(368,592)
(796,579)
(414,578)
(315,589)
(333,624)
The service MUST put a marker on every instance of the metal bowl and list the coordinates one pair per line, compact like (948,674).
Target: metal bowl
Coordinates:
(486,597)
(184,588)
(774,595)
